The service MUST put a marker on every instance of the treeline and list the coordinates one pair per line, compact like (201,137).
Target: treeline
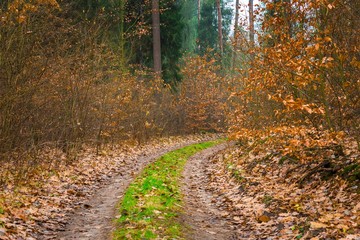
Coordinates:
(74,72)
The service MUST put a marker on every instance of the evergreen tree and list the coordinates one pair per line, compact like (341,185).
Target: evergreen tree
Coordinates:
(189,14)
(172,27)
(208,27)
(155,13)
(139,36)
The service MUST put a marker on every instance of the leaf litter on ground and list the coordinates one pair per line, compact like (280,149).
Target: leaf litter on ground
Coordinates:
(269,194)
(40,207)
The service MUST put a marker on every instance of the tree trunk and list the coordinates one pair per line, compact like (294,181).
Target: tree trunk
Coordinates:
(198,27)
(236,33)
(156,37)
(199,11)
(218,6)
(251,23)
(288,16)
(121,35)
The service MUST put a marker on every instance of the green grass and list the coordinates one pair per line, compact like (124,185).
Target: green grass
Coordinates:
(152,203)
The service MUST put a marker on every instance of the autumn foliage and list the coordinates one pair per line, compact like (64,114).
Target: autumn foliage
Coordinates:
(203,95)
(63,84)
(296,119)
(76,76)
(304,69)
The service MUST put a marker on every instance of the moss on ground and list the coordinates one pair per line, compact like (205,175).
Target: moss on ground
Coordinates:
(152,203)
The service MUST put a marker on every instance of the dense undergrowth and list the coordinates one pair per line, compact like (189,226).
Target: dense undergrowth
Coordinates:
(59,95)
(313,151)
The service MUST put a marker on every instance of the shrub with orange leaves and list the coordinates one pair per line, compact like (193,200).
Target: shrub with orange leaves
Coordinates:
(202,95)
(304,69)
(297,143)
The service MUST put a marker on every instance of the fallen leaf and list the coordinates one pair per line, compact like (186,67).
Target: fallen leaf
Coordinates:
(317,225)
(263,218)
(342,227)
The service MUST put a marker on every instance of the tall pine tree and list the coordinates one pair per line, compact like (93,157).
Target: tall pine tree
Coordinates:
(139,36)
(208,28)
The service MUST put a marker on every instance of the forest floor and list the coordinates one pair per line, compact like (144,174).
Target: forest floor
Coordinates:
(256,193)
(229,192)
(227,199)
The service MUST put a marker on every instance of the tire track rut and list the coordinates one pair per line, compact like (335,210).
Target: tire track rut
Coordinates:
(202,218)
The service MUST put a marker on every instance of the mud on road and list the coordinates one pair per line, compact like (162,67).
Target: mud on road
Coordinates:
(202,218)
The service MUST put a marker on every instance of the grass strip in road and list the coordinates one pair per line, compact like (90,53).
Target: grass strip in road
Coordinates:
(152,202)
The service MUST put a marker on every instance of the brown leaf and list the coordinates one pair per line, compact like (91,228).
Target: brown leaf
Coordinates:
(263,218)
(317,225)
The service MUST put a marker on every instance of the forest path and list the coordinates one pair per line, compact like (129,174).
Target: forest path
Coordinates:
(93,220)
(202,218)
